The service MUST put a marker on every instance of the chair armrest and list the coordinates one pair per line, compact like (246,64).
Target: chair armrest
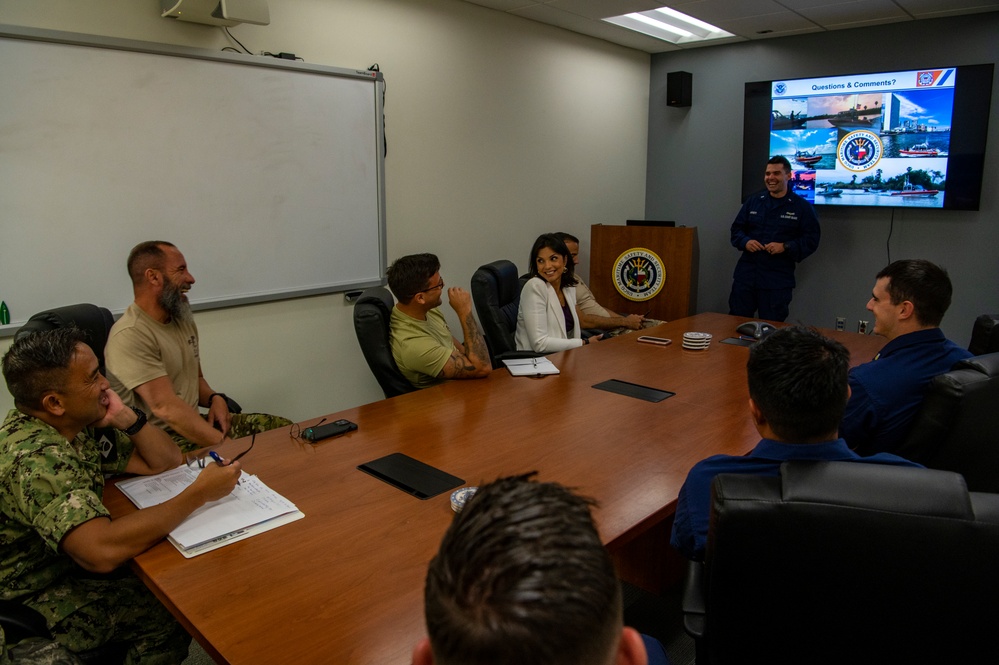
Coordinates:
(20,621)
(693,600)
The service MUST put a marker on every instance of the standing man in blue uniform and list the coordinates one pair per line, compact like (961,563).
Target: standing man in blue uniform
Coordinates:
(774,230)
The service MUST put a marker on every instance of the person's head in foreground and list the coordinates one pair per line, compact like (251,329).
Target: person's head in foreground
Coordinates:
(521,578)
(798,385)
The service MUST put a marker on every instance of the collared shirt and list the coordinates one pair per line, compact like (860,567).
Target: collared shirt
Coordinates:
(790,220)
(886,393)
(693,505)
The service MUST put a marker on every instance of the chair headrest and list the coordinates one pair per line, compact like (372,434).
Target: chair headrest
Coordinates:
(505,274)
(895,489)
(987,364)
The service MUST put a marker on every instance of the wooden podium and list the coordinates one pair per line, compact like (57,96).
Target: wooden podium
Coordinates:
(624,258)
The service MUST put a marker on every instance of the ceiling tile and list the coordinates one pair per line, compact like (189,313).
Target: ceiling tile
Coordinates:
(921,8)
(503,5)
(850,14)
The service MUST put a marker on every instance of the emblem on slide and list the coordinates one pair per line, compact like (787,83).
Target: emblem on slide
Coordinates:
(859,150)
(639,274)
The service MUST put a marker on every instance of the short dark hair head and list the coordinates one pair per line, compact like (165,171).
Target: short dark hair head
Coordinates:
(145,255)
(38,362)
(926,285)
(522,577)
(567,237)
(553,242)
(782,160)
(411,274)
(798,380)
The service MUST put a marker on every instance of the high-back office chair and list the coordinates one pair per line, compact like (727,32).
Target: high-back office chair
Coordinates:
(840,562)
(985,335)
(496,294)
(372,313)
(957,426)
(94,321)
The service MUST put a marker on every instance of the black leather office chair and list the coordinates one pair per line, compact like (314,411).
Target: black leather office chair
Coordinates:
(957,426)
(840,562)
(94,321)
(496,294)
(372,313)
(985,335)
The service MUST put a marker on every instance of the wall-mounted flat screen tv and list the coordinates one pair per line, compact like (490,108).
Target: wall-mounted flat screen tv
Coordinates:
(911,138)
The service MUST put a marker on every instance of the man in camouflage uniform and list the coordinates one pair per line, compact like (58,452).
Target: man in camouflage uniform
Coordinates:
(59,550)
(154,361)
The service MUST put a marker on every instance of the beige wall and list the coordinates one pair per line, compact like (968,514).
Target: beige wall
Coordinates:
(498,129)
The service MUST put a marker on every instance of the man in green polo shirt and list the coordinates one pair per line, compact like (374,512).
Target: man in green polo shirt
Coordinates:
(421,341)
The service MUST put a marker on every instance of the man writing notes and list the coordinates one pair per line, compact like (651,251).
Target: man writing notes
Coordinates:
(909,300)
(775,229)
(154,361)
(422,345)
(797,392)
(57,541)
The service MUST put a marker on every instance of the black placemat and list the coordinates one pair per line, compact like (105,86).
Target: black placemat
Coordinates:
(634,390)
(738,341)
(411,475)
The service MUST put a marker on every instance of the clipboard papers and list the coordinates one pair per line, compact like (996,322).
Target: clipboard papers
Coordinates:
(530,366)
(250,508)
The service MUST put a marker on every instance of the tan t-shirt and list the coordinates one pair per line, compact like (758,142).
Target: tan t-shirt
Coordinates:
(586,303)
(420,348)
(141,349)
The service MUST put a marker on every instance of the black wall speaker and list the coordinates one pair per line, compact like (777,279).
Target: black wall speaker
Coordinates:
(678,88)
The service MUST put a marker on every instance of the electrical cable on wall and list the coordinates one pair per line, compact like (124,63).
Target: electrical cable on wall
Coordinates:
(376,68)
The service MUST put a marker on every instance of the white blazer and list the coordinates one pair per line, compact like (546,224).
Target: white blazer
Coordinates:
(540,321)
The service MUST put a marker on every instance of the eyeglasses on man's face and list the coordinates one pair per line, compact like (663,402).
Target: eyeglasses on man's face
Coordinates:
(439,285)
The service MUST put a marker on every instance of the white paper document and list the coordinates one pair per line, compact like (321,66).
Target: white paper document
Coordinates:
(251,508)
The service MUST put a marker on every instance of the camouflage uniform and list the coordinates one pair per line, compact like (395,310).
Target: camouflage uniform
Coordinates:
(240,425)
(48,486)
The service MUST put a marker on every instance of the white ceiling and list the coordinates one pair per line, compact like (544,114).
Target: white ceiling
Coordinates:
(747,19)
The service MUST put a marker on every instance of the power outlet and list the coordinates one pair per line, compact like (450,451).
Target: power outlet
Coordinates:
(862,327)
(841,323)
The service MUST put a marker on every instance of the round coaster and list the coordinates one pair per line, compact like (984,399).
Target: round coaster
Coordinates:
(697,336)
(460,497)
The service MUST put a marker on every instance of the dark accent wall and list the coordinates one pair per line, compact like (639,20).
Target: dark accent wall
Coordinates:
(695,170)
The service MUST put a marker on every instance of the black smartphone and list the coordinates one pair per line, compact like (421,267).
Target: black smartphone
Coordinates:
(335,428)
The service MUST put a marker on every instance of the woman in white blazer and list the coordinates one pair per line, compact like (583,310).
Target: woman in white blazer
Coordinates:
(547,320)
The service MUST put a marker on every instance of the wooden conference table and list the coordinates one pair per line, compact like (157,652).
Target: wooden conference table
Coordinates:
(345,584)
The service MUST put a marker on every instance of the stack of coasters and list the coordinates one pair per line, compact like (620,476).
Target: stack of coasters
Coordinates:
(696,341)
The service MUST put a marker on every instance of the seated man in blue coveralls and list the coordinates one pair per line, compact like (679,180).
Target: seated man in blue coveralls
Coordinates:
(909,300)
(797,392)
(522,577)
(775,229)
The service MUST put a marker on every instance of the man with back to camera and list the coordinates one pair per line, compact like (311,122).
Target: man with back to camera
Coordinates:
(522,577)
(593,315)
(422,344)
(798,391)
(154,361)
(57,541)
(909,300)
(774,230)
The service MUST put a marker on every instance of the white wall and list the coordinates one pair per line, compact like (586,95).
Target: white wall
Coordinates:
(498,129)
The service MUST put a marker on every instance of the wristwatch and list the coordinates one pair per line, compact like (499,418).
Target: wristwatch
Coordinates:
(140,422)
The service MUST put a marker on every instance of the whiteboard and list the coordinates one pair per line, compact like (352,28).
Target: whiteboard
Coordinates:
(267,174)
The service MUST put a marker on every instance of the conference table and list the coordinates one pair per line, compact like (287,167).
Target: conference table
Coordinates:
(345,584)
